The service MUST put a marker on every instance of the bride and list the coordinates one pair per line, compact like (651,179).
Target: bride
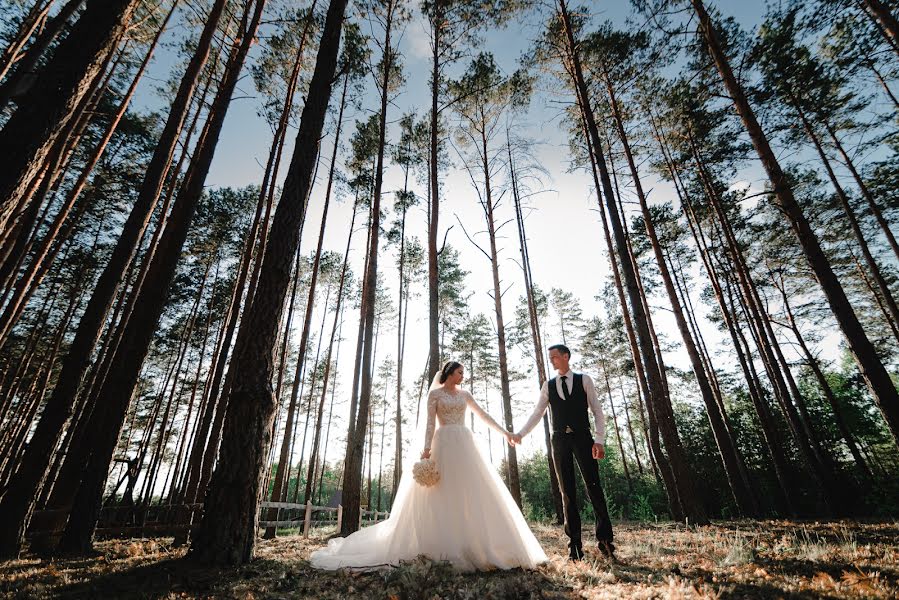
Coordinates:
(467,518)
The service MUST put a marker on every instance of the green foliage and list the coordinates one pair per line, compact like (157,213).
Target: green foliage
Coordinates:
(645,502)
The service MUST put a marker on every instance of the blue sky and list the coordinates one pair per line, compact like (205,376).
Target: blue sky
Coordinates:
(566,247)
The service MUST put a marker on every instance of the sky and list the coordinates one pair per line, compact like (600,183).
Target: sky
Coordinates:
(564,231)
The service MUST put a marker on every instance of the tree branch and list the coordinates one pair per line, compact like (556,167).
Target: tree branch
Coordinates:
(474,243)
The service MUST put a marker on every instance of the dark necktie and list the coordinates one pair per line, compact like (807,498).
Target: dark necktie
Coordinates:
(565,391)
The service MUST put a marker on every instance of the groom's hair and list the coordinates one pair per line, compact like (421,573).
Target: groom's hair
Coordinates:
(562,348)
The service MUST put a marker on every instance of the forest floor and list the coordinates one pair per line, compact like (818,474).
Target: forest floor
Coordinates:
(740,559)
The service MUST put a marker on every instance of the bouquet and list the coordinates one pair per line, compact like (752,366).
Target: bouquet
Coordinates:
(425,473)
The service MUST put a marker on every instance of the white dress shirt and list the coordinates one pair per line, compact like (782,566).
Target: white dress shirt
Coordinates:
(592,402)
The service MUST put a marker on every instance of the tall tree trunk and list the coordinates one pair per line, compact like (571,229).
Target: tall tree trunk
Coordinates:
(76,447)
(321,477)
(338,324)
(630,428)
(660,403)
(162,440)
(38,267)
(32,399)
(18,502)
(514,481)
(536,336)
(310,301)
(870,365)
(659,461)
(627,473)
(437,25)
(228,530)
(850,212)
(279,488)
(881,13)
(44,110)
(400,342)
(894,328)
(283,468)
(770,433)
(266,199)
(205,447)
(18,238)
(183,444)
(18,373)
(863,188)
(353,471)
(812,362)
(25,66)
(769,348)
(139,332)
(31,22)
(730,456)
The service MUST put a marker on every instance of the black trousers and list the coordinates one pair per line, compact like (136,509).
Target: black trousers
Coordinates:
(568,448)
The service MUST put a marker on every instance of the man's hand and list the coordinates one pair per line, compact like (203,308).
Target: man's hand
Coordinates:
(515,439)
(426,454)
(599,451)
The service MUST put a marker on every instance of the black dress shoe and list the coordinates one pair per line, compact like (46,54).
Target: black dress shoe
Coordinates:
(576,553)
(607,549)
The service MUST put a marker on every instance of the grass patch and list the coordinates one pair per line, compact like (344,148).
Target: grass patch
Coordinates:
(744,559)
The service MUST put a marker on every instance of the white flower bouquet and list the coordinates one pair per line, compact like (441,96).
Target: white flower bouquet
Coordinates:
(425,473)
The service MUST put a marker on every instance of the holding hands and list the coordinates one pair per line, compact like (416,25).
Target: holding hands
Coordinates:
(513,438)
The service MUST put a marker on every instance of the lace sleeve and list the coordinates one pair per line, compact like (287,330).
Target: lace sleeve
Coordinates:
(432,419)
(482,414)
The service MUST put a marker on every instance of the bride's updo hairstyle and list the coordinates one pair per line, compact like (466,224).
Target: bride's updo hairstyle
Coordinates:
(449,367)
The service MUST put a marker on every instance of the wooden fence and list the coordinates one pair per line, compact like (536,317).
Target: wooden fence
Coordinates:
(169,519)
(307,511)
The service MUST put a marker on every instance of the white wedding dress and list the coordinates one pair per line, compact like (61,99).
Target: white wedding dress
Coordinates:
(468,518)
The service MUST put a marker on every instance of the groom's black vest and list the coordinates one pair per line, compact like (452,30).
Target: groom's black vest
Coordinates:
(572,412)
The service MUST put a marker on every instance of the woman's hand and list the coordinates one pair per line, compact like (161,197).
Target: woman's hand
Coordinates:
(426,454)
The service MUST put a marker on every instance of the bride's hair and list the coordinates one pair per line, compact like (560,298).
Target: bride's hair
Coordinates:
(449,367)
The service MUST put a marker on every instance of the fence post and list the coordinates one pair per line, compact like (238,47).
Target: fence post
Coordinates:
(339,516)
(308,520)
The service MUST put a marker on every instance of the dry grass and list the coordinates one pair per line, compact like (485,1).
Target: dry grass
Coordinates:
(746,559)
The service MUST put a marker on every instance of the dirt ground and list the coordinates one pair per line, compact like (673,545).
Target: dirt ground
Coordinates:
(741,559)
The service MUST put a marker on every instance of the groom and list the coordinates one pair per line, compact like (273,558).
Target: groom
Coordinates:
(568,397)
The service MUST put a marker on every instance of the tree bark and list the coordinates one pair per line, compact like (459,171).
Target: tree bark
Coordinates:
(863,188)
(850,212)
(770,433)
(18,502)
(353,471)
(875,375)
(730,457)
(26,63)
(228,530)
(659,402)
(812,362)
(659,461)
(881,13)
(46,108)
(138,334)
(30,278)
(769,348)
(536,336)
(437,24)
(627,473)
(310,301)
(32,21)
